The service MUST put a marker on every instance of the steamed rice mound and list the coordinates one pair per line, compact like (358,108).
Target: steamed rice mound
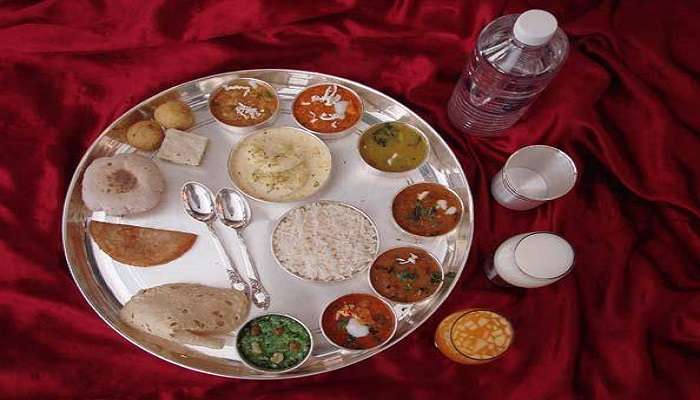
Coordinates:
(324,241)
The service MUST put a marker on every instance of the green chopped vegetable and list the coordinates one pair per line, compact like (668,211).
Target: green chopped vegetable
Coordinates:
(274,342)
(384,135)
(342,323)
(407,275)
(421,212)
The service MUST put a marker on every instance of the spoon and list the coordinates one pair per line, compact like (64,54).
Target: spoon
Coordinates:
(198,201)
(234,211)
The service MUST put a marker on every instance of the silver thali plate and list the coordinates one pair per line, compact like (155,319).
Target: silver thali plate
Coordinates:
(107,284)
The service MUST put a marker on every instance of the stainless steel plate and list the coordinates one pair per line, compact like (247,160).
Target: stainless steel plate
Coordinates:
(107,284)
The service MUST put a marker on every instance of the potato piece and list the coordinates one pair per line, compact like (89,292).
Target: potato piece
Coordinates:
(277,358)
(174,114)
(145,135)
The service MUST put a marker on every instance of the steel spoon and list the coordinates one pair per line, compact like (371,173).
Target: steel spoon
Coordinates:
(198,201)
(234,211)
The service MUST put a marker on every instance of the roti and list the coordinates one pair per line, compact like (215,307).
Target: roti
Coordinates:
(187,313)
(139,246)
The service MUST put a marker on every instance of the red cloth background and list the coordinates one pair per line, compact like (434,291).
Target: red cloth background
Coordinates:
(625,324)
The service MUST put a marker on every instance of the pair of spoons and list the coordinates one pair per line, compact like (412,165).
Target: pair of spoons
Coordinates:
(234,211)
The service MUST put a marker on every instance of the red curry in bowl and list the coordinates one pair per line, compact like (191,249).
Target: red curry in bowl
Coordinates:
(358,321)
(327,109)
(405,274)
(244,102)
(427,209)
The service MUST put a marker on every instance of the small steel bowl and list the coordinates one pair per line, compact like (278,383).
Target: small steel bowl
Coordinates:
(401,229)
(378,293)
(250,196)
(282,218)
(251,128)
(328,339)
(260,369)
(388,174)
(333,135)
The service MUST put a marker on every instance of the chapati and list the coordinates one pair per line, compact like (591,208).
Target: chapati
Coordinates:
(187,313)
(139,246)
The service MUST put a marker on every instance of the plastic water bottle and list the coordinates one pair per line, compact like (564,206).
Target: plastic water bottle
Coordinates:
(515,58)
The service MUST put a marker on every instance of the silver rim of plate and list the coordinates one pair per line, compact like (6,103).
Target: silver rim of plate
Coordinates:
(106,284)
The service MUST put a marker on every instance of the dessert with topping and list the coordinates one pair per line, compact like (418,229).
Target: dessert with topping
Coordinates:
(427,209)
(280,164)
(274,343)
(405,274)
(358,321)
(329,110)
(244,103)
(473,336)
(393,147)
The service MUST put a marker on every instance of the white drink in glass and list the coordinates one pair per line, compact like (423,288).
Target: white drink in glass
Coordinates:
(531,260)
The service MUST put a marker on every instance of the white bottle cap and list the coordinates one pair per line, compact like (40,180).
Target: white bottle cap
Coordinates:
(535,27)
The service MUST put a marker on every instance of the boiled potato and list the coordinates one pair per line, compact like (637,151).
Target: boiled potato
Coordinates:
(145,135)
(174,114)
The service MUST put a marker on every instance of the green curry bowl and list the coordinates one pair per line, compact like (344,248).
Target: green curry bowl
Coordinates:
(274,343)
(393,148)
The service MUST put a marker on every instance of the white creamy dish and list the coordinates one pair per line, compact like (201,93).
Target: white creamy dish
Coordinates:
(280,164)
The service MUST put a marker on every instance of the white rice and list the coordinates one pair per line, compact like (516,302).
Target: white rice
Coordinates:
(325,241)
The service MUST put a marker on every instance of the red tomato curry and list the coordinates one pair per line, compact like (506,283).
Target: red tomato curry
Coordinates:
(405,274)
(243,103)
(358,321)
(427,209)
(327,108)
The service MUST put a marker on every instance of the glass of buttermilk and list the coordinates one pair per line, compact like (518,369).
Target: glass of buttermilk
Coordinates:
(530,260)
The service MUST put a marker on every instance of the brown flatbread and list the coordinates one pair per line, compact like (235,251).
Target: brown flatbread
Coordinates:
(138,246)
(187,313)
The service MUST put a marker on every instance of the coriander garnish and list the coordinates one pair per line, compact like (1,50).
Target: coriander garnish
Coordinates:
(421,212)
(406,275)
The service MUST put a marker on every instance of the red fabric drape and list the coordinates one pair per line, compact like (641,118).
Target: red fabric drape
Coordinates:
(625,324)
